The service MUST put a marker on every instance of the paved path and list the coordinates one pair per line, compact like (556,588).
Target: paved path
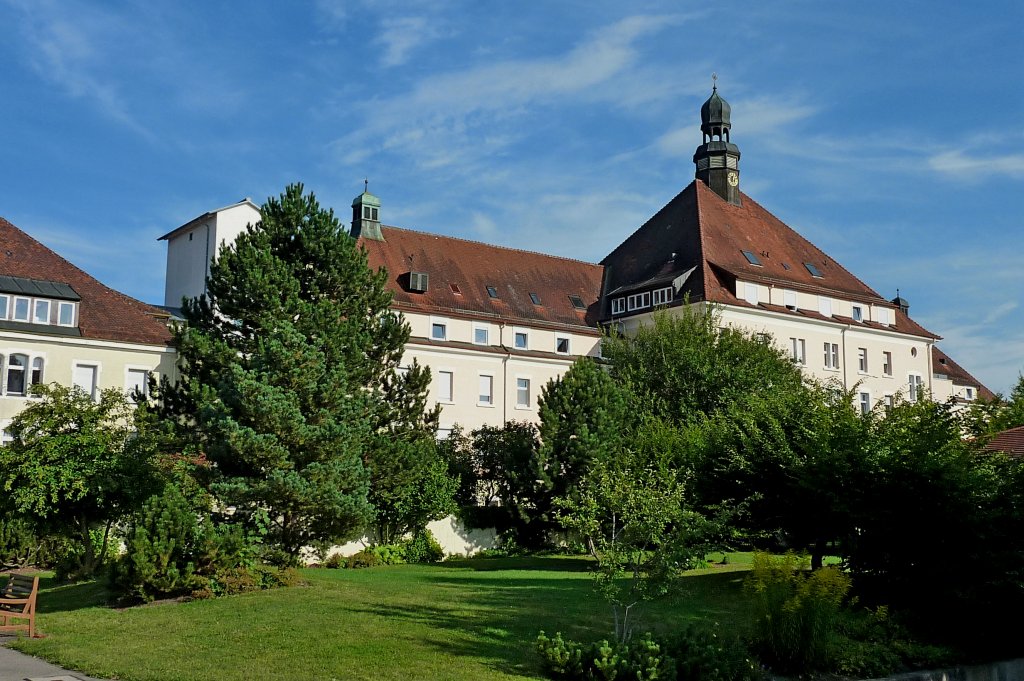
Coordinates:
(15,666)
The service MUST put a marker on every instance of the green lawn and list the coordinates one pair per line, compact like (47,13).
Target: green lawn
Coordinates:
(473,619)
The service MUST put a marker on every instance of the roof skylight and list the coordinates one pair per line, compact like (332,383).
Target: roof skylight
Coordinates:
(813,269)
(455,289)
(751,258)
(577,302)
(535,298)
(492,292)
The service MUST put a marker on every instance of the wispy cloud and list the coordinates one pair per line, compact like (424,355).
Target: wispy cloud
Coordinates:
(962,164)
(400,36)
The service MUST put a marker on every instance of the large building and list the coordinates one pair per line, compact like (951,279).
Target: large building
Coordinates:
(58,324)
(495,324)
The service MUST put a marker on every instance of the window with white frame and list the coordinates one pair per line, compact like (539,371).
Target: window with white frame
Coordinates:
(789,299)
(37,371)
(798,349)
(750,293)
(638,301)
(562,345)
(66,314)
(825,306)
(883,316)
(662,296)
(17,368)
(889,402)
(21,309)
(618,305)
(481,335)
(858,313)
(486,397)
(864,401)
(916,387)
(84,377)
(521,339)
(5,303)
(887,363)
(969,393)
(862,360)
(444,381)
(831,355)
(439,331)
(136,381)
(41,312)
(522,392)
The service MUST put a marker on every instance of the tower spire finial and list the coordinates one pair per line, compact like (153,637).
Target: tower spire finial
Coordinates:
(366,184)
(714,82)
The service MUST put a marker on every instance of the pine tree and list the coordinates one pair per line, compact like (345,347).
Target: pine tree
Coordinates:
(288,372)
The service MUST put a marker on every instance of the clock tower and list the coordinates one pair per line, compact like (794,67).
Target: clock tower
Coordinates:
(718,159)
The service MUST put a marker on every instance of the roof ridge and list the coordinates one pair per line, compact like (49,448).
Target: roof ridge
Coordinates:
(815,246)
(497,246)
(645,222)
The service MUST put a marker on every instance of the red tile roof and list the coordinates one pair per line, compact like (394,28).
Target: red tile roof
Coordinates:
(472,267)
(104,313)
(944,364)
(1009,441)
(699,229)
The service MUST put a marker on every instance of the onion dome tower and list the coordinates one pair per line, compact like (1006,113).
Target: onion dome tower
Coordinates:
(718,159)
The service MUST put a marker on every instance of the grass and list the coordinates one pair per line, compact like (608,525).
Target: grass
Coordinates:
(472,619)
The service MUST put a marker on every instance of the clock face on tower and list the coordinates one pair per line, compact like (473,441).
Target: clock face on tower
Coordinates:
(733,179)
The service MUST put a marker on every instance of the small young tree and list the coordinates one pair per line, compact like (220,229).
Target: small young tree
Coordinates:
(78,465)
(634,514)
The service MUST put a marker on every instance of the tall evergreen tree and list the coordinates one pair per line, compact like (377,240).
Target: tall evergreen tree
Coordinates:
(288,372)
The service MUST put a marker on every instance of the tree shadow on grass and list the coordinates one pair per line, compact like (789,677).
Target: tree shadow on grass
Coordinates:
(545,563)
(57,596)
(495,619)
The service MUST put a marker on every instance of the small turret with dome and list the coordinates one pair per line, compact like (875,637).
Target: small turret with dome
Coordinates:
(366,215)
(718,159)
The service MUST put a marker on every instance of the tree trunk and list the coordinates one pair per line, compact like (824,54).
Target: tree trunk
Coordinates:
(818,554)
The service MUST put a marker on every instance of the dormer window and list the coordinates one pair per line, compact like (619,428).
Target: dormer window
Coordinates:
(858,313)
(38,302)
(41,312)
(21,309)
(618,305)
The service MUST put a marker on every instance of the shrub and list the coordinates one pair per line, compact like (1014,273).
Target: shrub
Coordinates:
(703,653)
(423,548)
(335,561)
(796,611)
(390,554)
(363,559)
(641,659)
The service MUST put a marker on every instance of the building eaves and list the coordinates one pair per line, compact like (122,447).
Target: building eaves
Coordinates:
(205,216)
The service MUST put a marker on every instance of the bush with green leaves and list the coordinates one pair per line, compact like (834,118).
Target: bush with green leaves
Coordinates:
(704,653)
(642,659)
(796,611)
(422,547)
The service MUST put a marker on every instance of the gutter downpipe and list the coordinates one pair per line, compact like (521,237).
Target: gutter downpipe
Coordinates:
(504,373)
(842,334)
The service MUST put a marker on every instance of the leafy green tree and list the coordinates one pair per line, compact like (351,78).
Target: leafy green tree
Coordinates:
(633,511)
(78,466)
(988,417)
(288,372)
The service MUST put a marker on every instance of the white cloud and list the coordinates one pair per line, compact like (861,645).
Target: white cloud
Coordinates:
(401,35)
(961,164)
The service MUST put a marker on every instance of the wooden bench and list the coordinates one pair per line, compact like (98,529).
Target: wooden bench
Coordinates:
(18,602)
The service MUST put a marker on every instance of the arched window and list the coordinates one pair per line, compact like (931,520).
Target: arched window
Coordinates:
(16,374)
(37,371)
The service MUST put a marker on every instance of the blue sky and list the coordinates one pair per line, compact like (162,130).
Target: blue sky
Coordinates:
(890,134)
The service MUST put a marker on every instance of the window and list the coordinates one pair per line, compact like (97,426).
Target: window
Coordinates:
(562,345)
(862,360)
(455,289)
(889,401)
(618,305)
(858,313)
(887,363)
(799,350)
(535,299)
(883,316)
(969,393)
(831,355)
(136,381)
(5,435)
(41,312)
(66,314)
(577,302)
(4,303)
(789,299)
(522,392)
(813,269)
(750,293)
(16,367)
(438,331)
(84,377)
(639,300)
(37,371)
(444,386)
(751,258)
(864,400)
(825,306)
(916,387)
(481,335)
(663,296)
(492,292)
(21,309)
(522,340)
(486,390)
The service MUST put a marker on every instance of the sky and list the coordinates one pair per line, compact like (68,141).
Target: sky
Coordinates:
(890,134)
